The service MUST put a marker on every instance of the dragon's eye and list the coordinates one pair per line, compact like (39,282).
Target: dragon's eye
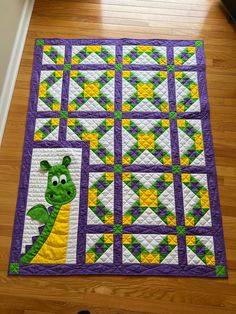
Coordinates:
(55,180)
(63,179)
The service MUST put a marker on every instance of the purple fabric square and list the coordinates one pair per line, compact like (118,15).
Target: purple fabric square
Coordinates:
(99,248)
(100,211)
(136,249)
(164,249)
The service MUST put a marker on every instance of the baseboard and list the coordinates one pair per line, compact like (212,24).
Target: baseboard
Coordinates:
(14,63)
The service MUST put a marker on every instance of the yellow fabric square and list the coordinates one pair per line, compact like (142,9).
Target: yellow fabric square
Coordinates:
(189,221)
(110,176)
(111,60)
(181,123)
(110,107)
(165,123)
(185,177)
(194,92)
(109,160)
(38,136)
(55,121)
(72,107)
(125,122)
(127,220)
(126,160)
(180,108)
(92,138)
(126,176)
(75,60)
(210,260)
(92,197)
(204,199)
(163,74)
(168,177)
(191,49)
(178,75)
(109,220)
(126,107)
(126,73)
(146,141)
(171,221)
(110,122)
(145,90)
(74,73)
(144,48)
(90,258)
(167,160)
(164,107)
(71,121)
(126,238)
(108,238)
(148,197)
(59,73)
(56,107)
(110,73)
(60,60)
(162,61)
(190,240)
(178,61)
(91,90)
(184,161)
(172,239)
(149,258)
(46,48)
(93,48)
(198,141)
(126,60)
(43,89)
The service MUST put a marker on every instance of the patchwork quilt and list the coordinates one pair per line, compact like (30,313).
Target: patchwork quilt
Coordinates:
(118,173)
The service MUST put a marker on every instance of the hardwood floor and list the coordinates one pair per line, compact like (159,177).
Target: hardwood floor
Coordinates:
(172,19)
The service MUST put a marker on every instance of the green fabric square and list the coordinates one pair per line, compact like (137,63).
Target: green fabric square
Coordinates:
(180,230)
(170,67)
(173,115)
(39,42)
(119,67)
(118,168)
(67,66)
(118,114)
(14,268)
(220,271)
(63,114)
(176,169)
(198,43)
(117,229)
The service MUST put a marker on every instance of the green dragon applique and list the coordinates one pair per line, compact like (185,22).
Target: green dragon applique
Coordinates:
(51,245)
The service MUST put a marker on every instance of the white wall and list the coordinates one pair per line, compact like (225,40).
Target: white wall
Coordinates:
(10,15)
(14,21)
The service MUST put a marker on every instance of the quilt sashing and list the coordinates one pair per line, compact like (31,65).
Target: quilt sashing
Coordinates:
(118,173)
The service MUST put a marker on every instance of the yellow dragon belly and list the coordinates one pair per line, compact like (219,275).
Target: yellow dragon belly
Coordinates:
(54,248)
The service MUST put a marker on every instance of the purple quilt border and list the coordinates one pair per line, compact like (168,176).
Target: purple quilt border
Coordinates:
(118,269)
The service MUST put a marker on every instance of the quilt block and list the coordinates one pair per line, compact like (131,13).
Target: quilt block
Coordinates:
(118,175)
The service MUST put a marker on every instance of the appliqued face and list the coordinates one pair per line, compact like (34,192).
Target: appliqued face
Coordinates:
(60,187)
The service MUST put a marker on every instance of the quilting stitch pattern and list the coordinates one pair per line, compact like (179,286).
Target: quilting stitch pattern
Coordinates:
(130,120)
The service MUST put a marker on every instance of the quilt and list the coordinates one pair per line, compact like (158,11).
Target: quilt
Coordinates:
(118,173)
